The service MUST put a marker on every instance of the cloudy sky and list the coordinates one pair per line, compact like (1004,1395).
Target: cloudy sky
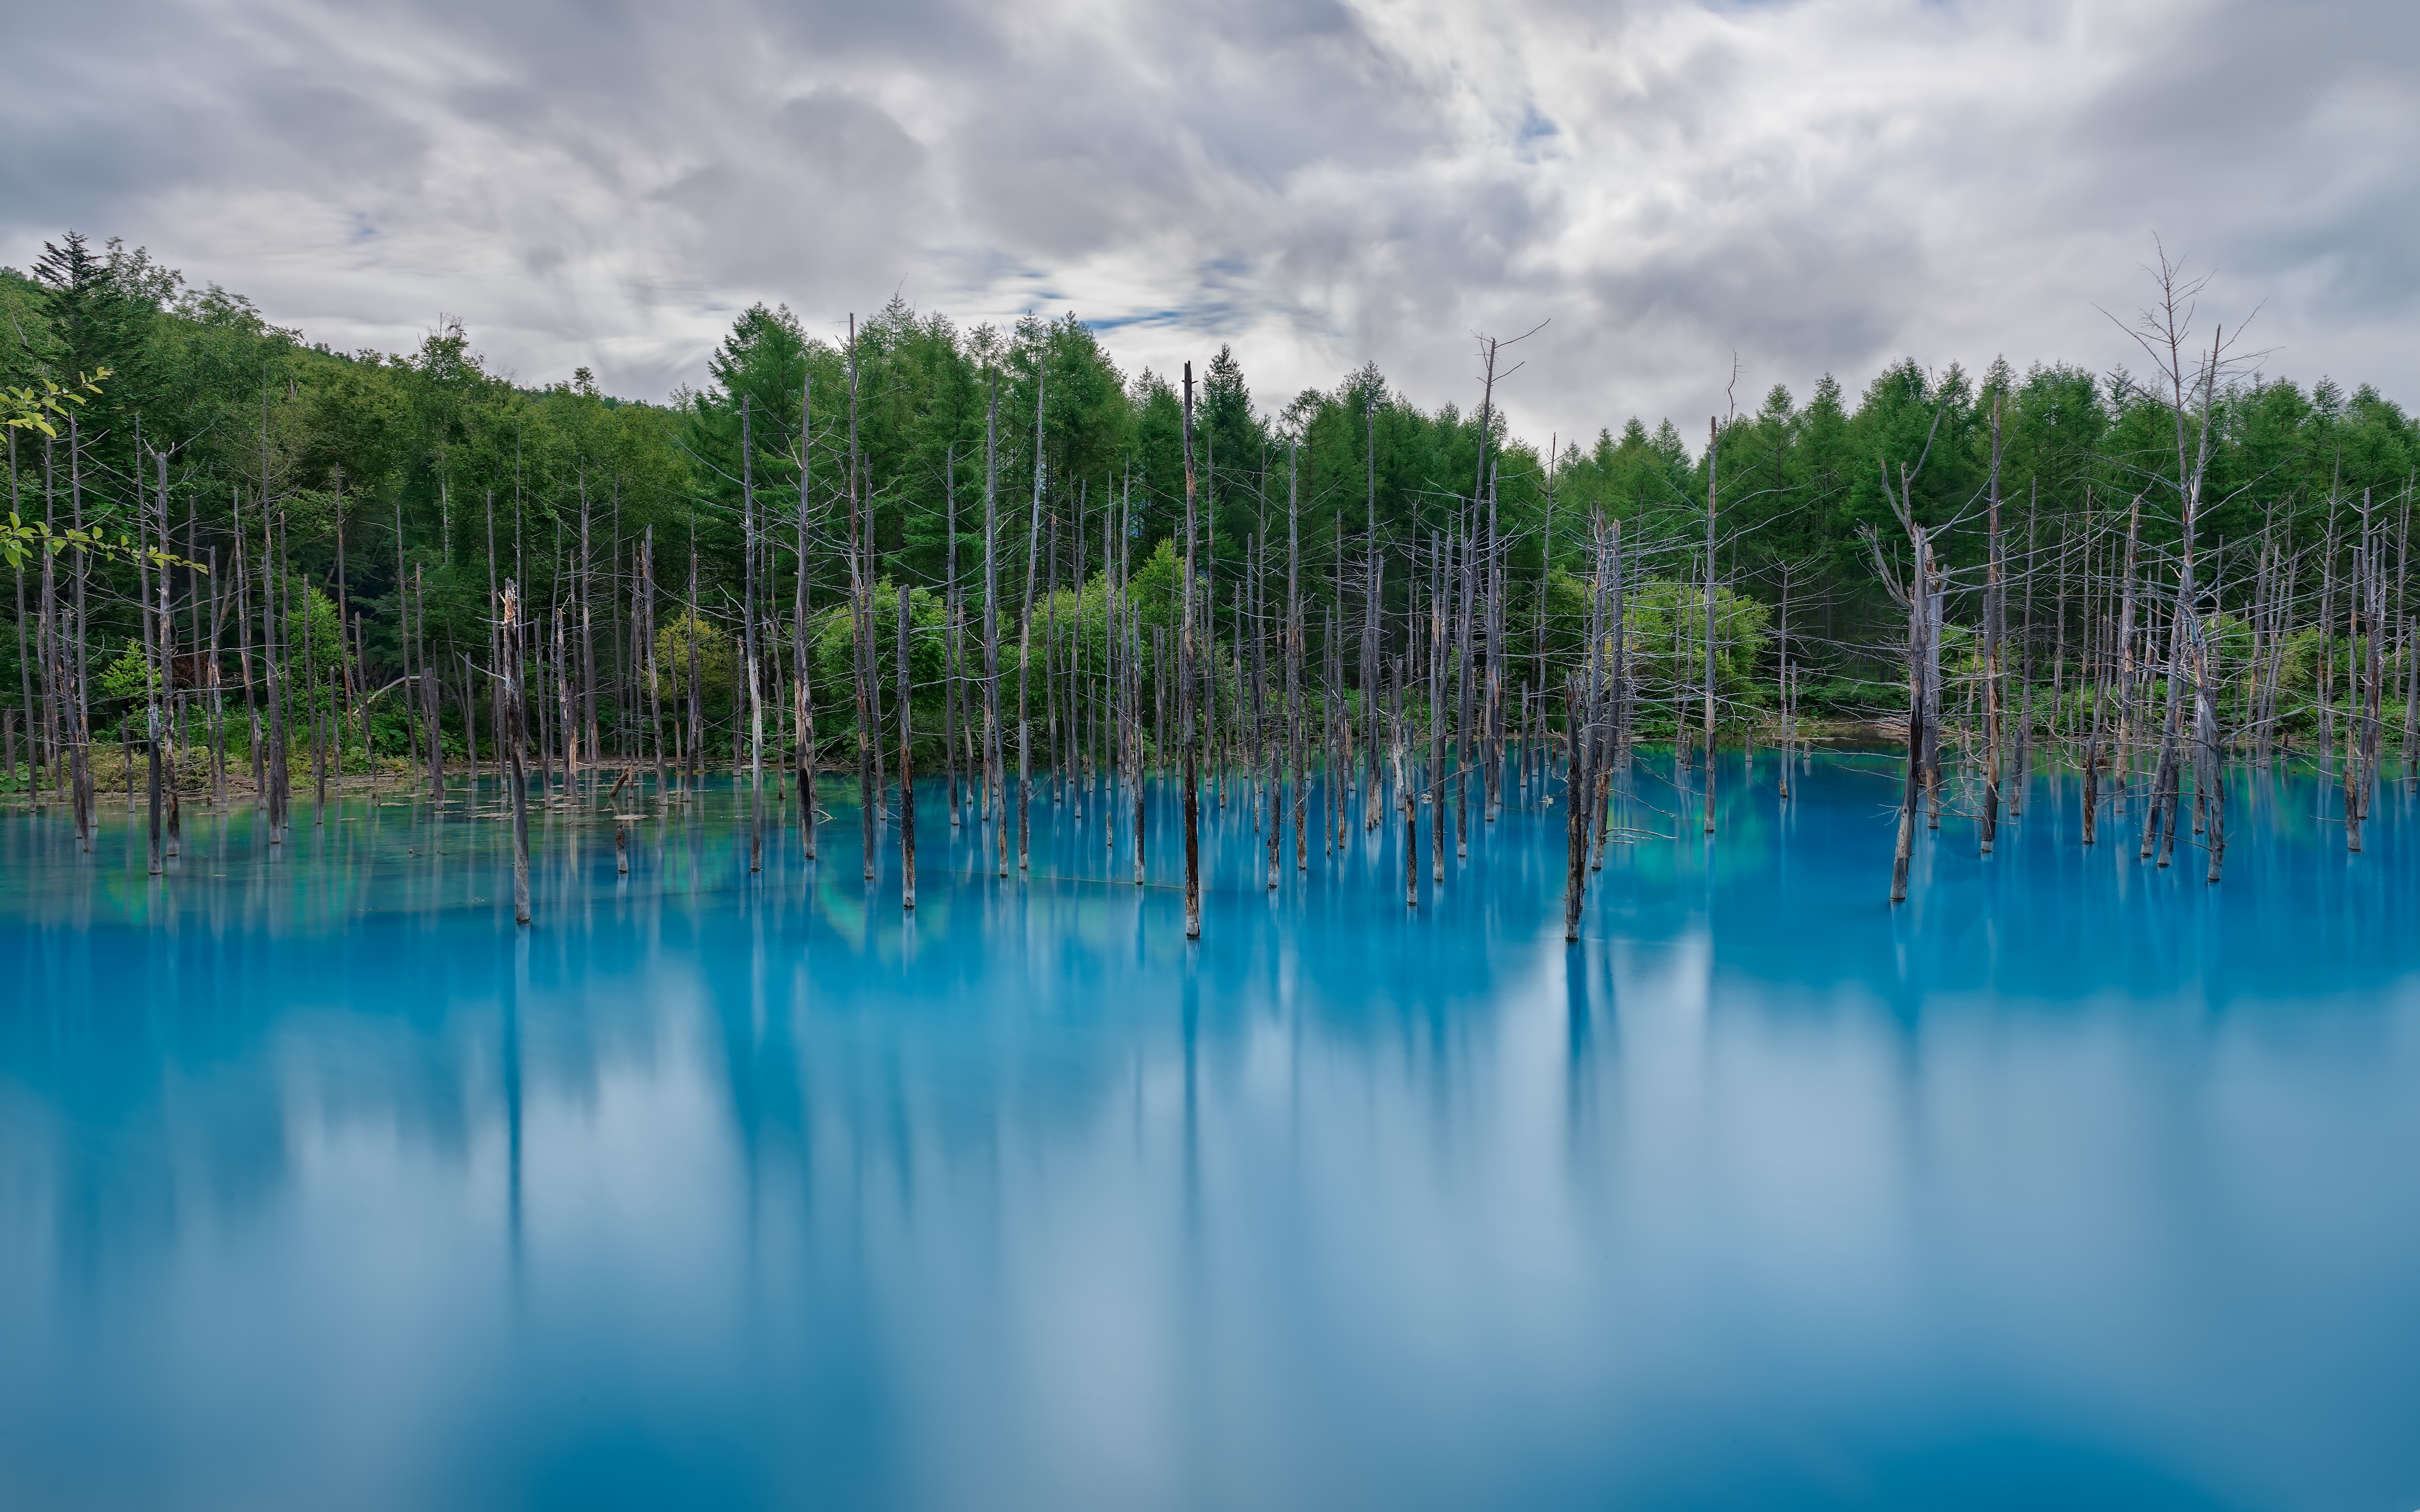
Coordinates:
(1812,186)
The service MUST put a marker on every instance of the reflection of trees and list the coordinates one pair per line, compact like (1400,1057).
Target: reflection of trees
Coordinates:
(171,1050)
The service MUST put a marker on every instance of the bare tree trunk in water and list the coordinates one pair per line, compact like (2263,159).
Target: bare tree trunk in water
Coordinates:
(1411,804)
(515,737)
(1994,652)
(907,770)
(1025,640)
(1714,435)
(1193,797)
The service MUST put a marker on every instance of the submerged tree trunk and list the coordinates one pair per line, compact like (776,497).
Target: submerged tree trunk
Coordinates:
(1714,435)
(1922,597)
(906,769)
(1193,797)
(514,738)
(1994,650)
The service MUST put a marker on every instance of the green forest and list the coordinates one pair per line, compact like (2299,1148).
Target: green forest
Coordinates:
(384,499)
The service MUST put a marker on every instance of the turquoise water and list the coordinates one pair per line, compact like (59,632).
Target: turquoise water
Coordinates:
(2072,1184)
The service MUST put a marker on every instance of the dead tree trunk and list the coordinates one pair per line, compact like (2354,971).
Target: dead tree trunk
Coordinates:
(1190,776)
(1995,614)
(1921,596)
(906,769)
(1714,439)
(515,737)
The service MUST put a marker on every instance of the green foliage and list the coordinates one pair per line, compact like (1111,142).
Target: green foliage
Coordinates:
(42,409)
(316,636)
(130,675)
(1666,631)
(833,642)
(21,542)
(675,644)
(887,437)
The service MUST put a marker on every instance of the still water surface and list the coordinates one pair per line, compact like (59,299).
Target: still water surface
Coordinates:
(2073,1182)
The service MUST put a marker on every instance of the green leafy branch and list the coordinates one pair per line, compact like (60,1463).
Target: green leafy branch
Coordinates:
(21,542)
(32,410)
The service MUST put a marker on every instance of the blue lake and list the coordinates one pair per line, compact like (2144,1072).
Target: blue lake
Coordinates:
(2073,1182)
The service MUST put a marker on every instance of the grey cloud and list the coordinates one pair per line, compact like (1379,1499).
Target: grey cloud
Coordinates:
(341,136)
(862,147)
(511,107)
(57,176)
(598,45)
(1315,180)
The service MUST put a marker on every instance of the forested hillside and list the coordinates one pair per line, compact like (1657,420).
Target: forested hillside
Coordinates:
(405,489)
